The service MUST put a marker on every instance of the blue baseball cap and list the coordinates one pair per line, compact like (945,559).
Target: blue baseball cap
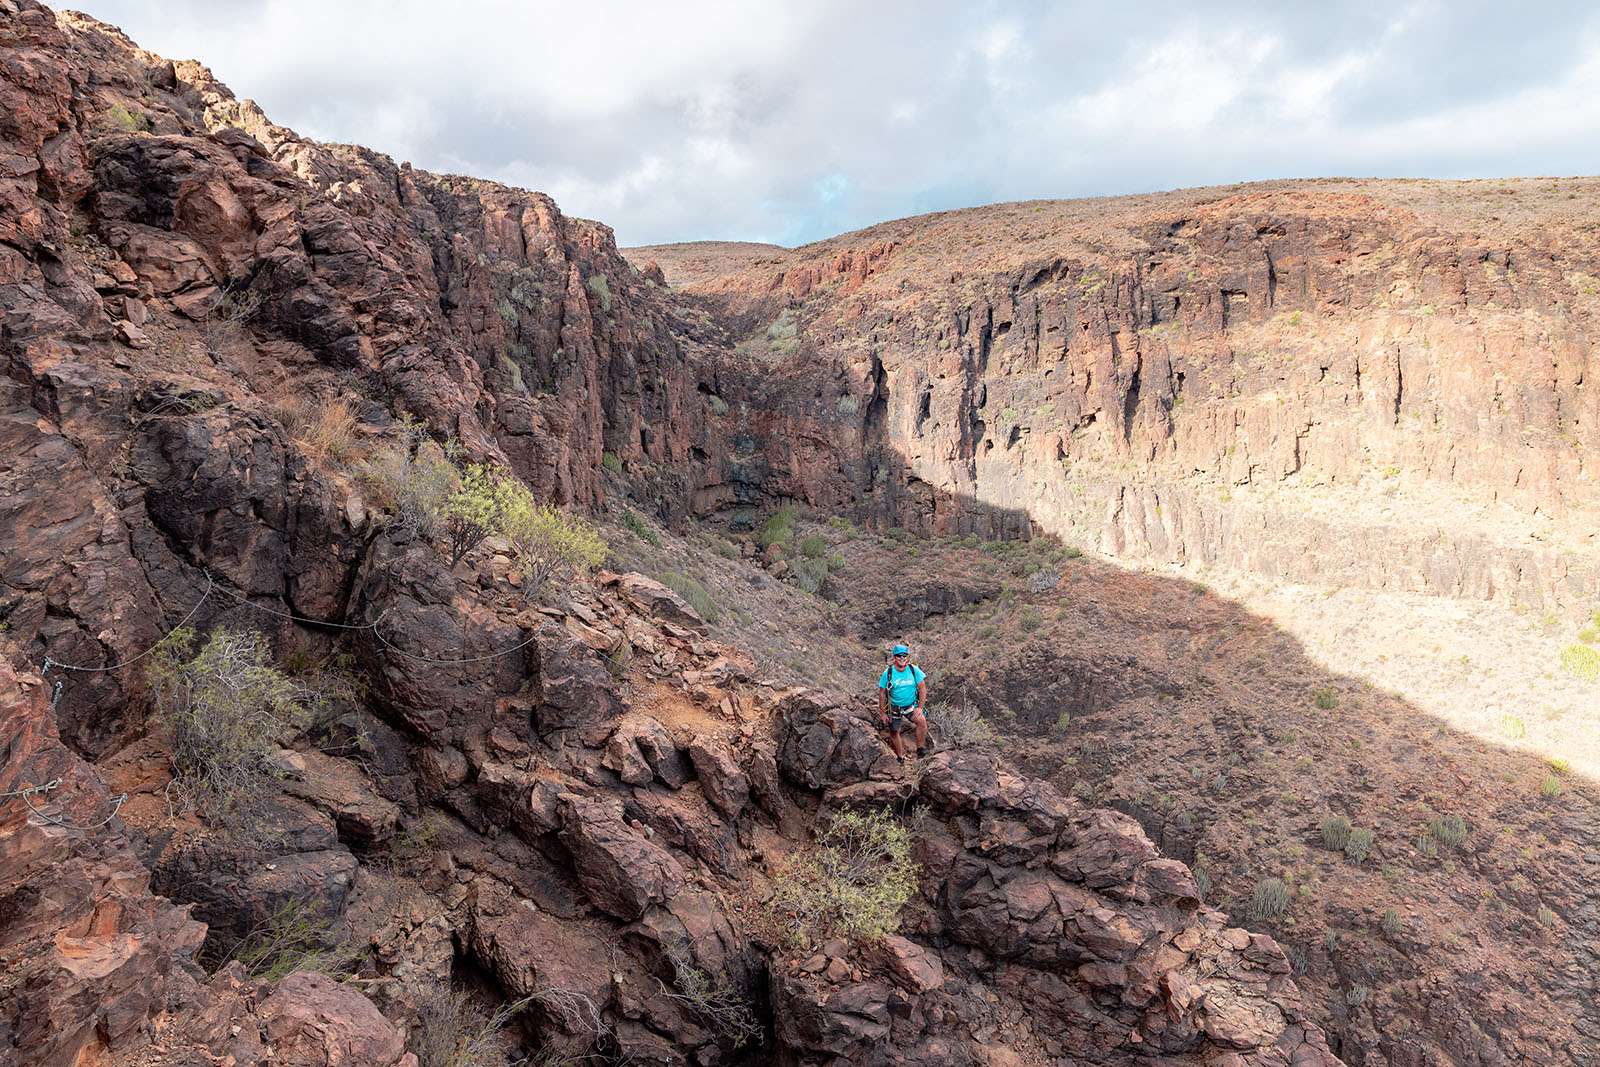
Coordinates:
(901,650)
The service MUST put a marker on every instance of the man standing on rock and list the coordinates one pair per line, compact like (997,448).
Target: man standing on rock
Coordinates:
(902,694)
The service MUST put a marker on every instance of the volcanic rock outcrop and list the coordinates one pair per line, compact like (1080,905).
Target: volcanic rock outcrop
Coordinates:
(575,803)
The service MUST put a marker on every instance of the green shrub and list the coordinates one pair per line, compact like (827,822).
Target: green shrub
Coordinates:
(814,546)
(779,527)
(719,406)
(1581,661)
(636,526)
(1335,832)
(1356,996)
(1028,619)
(1269,899)
(221,710)
(611,462)
(413,477)
(549,542)
(855,883)
(1558,764)
(1063,721)
(481,503)
(121,118)
(960,725)
(1546,916)
(1589,635)
(898,533)
(1512,727)
(1202,881)
(1450,831)
(1392,923)
(809,574)
(784,327)
(1326,699)
(692,592)
(290,940)
(1359,844)
(985,632)
(600,287)
(1550,787)
(1428,846)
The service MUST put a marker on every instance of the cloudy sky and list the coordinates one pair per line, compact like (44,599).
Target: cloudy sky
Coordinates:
(677,120)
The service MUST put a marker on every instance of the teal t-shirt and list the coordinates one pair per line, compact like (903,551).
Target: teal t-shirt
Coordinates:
(902,685)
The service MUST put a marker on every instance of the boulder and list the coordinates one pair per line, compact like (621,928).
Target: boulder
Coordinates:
(621,871)
(312,1020)
(827,741)
(724,783)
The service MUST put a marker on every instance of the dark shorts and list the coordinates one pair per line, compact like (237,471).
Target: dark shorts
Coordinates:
(898,717)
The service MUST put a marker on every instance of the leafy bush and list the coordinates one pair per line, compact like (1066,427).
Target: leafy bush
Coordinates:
(1450,831)
(809,574)
(814,547)
(784,327)
(600,287)
(779,528)
(960,725)
(1581,661)
(221,711)
(1392,923)
(480,503)
(692,592)
(855,883)
(1357,847)
(611,462)
(1558,764)
(550,542)
(1326,699)
(635,525)
(1028,619)
(1335,832)
(1551,786)
(1269,899)
(414,477)
(1063,721)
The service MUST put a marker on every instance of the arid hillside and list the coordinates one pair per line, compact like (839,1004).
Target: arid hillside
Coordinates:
(429,636)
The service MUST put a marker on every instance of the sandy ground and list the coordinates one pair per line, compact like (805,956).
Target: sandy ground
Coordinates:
(1476,665)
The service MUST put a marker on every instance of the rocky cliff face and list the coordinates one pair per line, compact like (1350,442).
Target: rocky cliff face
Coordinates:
(206,322)
(1381,384)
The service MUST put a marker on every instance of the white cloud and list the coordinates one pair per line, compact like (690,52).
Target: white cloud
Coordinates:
(787,119)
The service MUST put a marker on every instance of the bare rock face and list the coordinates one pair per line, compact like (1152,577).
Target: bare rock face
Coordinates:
(1101,946)
(622,872)
(93,953)
(311,1020)
(826,741)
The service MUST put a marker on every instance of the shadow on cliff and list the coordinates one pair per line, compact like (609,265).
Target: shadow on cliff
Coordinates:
(1243,756)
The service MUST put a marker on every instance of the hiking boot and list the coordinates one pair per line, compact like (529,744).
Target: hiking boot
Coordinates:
(922,752)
